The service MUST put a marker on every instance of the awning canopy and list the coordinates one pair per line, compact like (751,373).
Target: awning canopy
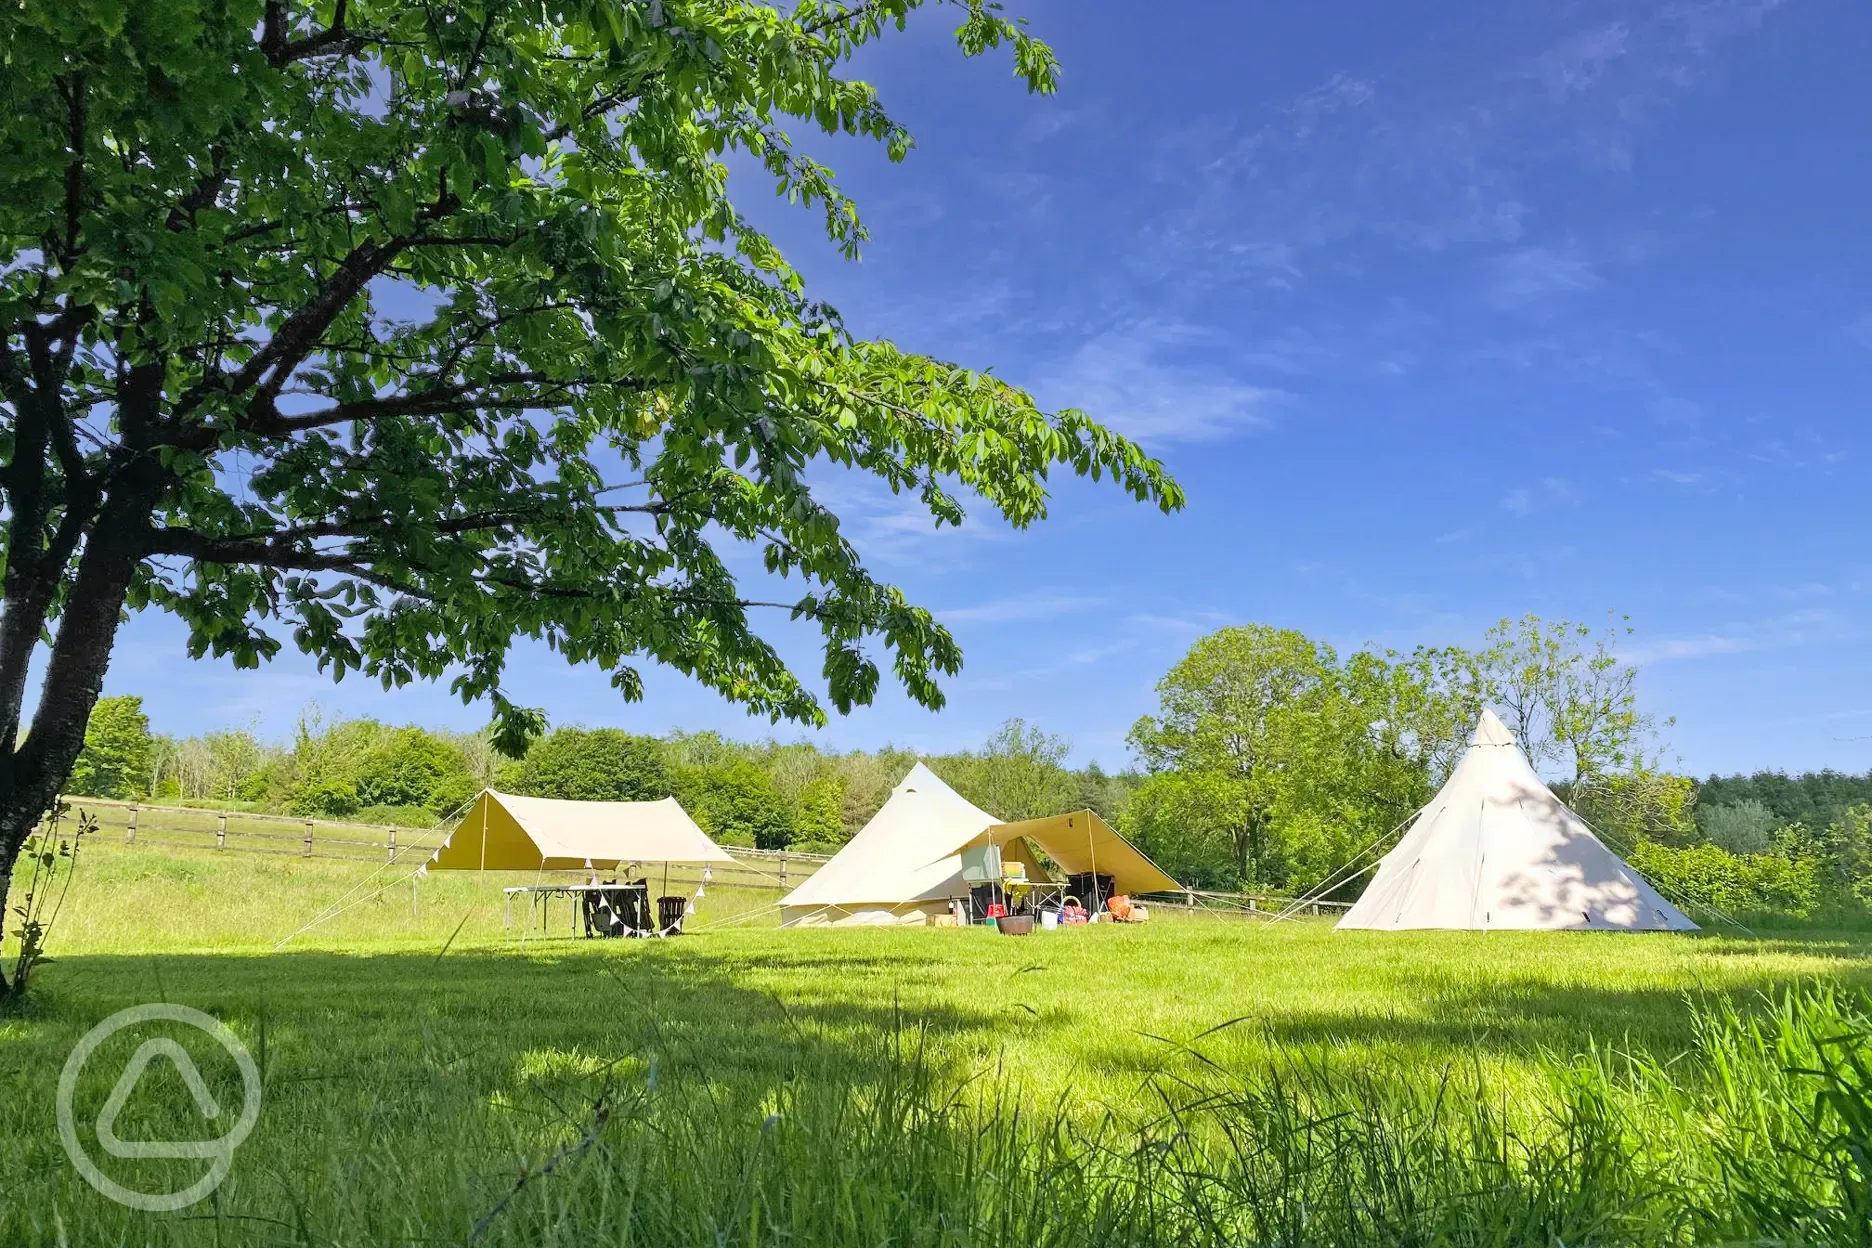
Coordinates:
(1082,842)
(505,832)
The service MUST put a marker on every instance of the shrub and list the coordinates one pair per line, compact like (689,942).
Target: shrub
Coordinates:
(331,798)
(593,765)
(1770,883)
(737,803)
(819,813)
(1744,828)
(412,768)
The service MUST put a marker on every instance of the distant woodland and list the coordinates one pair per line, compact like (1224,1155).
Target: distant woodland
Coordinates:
(1270,762)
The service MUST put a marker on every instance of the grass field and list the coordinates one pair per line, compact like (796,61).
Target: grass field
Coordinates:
(1196,1081)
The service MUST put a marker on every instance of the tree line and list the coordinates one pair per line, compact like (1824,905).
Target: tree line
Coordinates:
(769,794)
(1270,761)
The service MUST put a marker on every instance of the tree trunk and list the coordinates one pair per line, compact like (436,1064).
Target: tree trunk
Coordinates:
(31,777)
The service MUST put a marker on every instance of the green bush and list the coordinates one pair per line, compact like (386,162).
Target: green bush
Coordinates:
(410,767)
(594,765)
(1771,883)
(737,803)
(330,798)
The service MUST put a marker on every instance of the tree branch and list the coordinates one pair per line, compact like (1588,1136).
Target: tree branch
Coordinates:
(283,51)
(76,107)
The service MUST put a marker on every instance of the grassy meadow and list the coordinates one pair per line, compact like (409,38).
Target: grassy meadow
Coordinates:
(1200,1080)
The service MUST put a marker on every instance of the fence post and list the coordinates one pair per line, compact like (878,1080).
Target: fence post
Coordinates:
(130,831)
(1189,900)
(783,867)
(1251,905)
(392,844)
(221,832)
(308,840)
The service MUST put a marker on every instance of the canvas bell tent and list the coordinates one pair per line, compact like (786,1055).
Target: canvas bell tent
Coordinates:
(906,865)
(1496,850)
(504,832)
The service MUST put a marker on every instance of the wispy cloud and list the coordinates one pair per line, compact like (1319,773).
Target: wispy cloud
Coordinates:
(1525,500)
(1158,382)
(1810,626)
(1037,606)
(1531,275)
(1434,161)
(1580,61)
(1680,648)
(897,528)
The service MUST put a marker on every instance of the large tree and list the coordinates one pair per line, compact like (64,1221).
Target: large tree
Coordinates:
(409,329)
(1568,697)
(1300,758)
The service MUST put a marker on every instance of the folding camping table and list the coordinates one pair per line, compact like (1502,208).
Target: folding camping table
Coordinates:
(540,896)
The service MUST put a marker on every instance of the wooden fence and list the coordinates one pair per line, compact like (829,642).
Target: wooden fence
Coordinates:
(134,824)
(142,824)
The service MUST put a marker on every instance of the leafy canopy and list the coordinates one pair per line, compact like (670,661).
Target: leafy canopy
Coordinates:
(416,328)
(117,751)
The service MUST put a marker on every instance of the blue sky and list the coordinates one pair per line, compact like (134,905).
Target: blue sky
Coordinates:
(1441,313)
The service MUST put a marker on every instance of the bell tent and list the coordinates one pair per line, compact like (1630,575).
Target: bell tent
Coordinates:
(504,832)
(1496,850)
(906,864)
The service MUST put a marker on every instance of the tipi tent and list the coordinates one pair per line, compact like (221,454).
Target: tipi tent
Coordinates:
(504,832)
(1495,849)
(906,864)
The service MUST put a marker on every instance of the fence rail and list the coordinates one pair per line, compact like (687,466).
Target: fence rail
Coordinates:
(779,870)
(1244,905)
(134,824)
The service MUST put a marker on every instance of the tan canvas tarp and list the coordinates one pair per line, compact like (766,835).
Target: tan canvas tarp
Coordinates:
(905,865)
(1081,842)
(1495,849)
(505,832)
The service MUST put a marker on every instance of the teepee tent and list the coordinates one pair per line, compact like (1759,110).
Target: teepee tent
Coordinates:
(905,865)
(505,832)
(1495,850)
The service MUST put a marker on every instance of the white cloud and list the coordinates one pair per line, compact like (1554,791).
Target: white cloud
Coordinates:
(1040,606)
(1534,274)
(1678,648)
(1525,500)
(1810,626)
(1579,62)
(1158,382)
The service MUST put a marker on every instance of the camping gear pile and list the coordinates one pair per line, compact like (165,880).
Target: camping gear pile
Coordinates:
(929,856)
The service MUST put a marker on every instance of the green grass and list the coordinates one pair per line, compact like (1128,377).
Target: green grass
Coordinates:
(929,1086)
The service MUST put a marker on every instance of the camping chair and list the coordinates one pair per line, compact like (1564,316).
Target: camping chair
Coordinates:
(603,913)
(632,901)
(591,906)
(670,912)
